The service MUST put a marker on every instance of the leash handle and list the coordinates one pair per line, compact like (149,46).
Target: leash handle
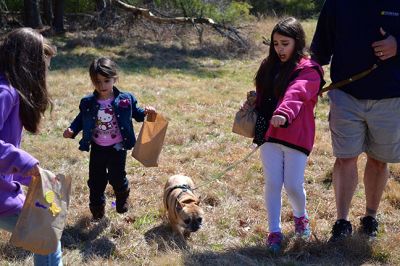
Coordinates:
(349,80)
(230,167)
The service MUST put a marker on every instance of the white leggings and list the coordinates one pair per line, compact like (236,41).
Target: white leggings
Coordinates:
(283,166)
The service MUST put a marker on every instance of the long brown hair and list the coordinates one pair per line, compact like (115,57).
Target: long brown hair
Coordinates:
(265,81)
(22,60)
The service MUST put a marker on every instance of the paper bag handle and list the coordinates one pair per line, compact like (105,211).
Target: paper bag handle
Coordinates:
(151,117)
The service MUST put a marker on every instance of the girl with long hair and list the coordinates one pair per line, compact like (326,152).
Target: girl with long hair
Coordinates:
(287,85)
(24,58)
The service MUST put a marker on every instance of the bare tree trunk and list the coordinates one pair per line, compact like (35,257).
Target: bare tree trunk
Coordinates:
(32,14)
(100,5)
(48,12)
(59,16)
(3,5)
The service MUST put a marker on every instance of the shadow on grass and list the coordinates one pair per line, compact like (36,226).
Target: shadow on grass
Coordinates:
(165,239)
(214,51)
(143,59)
(83,236)
(10,253)
(354,251)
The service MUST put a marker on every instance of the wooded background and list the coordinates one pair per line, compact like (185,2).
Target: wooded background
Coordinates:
(53,13)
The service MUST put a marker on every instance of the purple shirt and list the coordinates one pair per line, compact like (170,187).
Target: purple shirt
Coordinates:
(14,162)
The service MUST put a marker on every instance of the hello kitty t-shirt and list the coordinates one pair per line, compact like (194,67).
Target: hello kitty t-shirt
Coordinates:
(106,132)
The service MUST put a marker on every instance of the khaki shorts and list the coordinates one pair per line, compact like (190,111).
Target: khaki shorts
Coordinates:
(370,126)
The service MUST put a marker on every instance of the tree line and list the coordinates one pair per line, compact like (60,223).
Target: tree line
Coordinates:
(39,13)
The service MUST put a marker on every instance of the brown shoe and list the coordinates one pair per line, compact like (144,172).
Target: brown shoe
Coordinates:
(97,211)
(121,201)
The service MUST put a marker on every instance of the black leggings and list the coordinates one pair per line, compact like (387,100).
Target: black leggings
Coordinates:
(106,165)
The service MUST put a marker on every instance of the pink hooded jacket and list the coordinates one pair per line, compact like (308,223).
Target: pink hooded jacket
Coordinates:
(297,105)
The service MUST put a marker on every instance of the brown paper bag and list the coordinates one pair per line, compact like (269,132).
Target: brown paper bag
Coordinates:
(150,140)
(42,219)
(245,120)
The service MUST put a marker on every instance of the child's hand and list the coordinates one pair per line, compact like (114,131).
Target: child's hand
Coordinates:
(149,110)
(246,106)
(33,172)
(68,133)
(278,120)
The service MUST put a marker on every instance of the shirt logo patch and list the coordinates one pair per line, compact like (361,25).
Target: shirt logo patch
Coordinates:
(390,13)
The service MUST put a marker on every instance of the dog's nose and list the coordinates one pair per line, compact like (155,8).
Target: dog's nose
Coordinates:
(195,225)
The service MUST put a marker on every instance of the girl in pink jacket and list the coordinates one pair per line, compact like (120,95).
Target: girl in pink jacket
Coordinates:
(287,85)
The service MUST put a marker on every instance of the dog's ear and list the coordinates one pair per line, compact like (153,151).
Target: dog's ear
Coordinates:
(198,201)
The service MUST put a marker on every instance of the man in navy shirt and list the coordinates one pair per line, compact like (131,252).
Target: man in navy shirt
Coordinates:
(364,114)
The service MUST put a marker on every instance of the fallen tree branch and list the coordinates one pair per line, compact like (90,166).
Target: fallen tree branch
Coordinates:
(229,32)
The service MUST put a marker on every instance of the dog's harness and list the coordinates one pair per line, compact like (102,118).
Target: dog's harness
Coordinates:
(185,188)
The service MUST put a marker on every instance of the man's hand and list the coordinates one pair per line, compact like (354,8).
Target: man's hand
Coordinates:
(385,48)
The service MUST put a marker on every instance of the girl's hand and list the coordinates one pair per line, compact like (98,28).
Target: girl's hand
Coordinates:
(149,110)
(250,101)
(278,120)
(245,106)
(33,172)
(68,133)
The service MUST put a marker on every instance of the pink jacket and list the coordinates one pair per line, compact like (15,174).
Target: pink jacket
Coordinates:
(297,105)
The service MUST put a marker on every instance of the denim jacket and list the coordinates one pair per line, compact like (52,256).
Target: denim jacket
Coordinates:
(125,108)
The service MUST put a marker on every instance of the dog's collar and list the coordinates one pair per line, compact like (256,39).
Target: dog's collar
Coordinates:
(184,187)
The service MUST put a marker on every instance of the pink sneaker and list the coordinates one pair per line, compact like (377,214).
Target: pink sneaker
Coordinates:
(274,241)
(302,227)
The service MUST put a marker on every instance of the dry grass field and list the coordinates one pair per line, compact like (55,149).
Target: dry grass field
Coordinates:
(199,93)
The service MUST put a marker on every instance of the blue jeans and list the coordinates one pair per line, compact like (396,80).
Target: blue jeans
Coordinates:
(53,259)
